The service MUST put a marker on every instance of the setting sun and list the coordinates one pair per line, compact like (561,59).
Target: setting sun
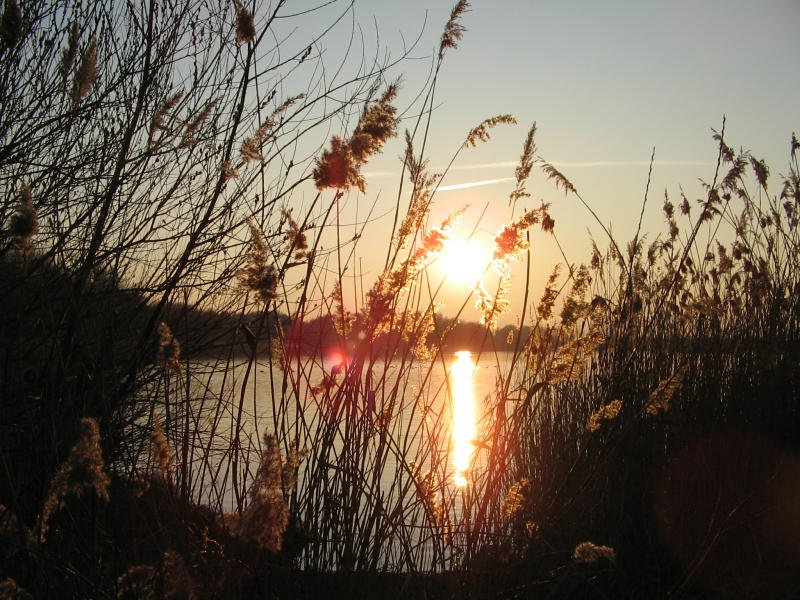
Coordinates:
(463,260)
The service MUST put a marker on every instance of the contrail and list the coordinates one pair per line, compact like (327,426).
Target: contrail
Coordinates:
(471,184)
(593,163)
(558,163)
(635,163)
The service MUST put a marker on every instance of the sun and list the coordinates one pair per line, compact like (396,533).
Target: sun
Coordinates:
(463,261)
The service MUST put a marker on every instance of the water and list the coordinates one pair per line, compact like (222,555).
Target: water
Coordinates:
(374,433)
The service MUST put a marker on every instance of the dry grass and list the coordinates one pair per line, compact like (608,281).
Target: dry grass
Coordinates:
(310,433)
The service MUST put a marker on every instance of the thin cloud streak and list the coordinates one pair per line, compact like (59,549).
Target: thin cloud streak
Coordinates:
(556,163)
(636,163)
(559,164)
(472,184)
(589,164)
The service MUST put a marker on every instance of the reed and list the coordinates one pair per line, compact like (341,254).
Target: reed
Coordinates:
(221,398)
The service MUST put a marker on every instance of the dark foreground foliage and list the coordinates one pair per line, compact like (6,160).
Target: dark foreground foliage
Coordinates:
(173,423)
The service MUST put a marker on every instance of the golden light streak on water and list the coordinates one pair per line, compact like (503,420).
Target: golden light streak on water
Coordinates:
(464,426)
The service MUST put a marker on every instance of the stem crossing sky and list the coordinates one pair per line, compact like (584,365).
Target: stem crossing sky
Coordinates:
(606,82)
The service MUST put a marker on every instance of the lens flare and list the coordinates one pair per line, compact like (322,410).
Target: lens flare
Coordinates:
(464,427)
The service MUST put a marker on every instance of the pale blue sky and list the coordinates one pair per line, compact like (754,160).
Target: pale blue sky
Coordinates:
(606,82)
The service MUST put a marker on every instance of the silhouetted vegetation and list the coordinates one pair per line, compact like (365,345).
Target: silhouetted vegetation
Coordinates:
(192,404)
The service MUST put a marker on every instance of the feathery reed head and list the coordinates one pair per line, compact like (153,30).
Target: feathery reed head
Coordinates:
(661,397)
(340,166)
(266,517)
(86,73)
(250,149)
(511,241)
(514,501)
(523,170)
(164,110)
(338,169)
(588,552)
(761,171)
(607,412)
(558,177)
(378,123)
(492,306)
(453,29)
(70,52)
(421,194)
(545,307)
(83,470)
(570,358)
(258,274)
(11,24)
(169,349)
(295,235)
(393,281)
(159,450)
(24,223)
(481,132)
(245,25)
(193,126)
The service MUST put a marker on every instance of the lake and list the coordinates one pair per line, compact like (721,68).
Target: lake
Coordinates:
(375,440)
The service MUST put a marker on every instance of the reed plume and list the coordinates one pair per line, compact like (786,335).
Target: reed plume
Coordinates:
(393,281)
(245,24)
(295,235)
(588,552)
(82,471)
(661,397)
(24,223)
(453,29)
(250,150)
(193,126)
(159,450)
(86,73)
(481,132)
(510,242)
(558,177)
(523,170)
(169,349)
(157,122)
(514,501)
(492,306)
(545,307)
(265,518)
(258,274)
(340,166)
(11,24)
(70,52)
(607,412)
(423,186)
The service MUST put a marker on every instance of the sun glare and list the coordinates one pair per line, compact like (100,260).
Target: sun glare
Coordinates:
(464,427)
(463,261)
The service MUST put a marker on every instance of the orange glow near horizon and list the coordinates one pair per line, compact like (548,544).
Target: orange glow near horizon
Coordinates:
(464,426)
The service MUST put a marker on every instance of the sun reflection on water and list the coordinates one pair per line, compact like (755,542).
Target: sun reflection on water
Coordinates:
(464,427)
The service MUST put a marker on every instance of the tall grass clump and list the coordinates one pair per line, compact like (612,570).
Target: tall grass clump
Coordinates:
(658,410)
(225,405)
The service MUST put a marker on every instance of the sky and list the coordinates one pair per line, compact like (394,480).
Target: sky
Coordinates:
(607,83)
